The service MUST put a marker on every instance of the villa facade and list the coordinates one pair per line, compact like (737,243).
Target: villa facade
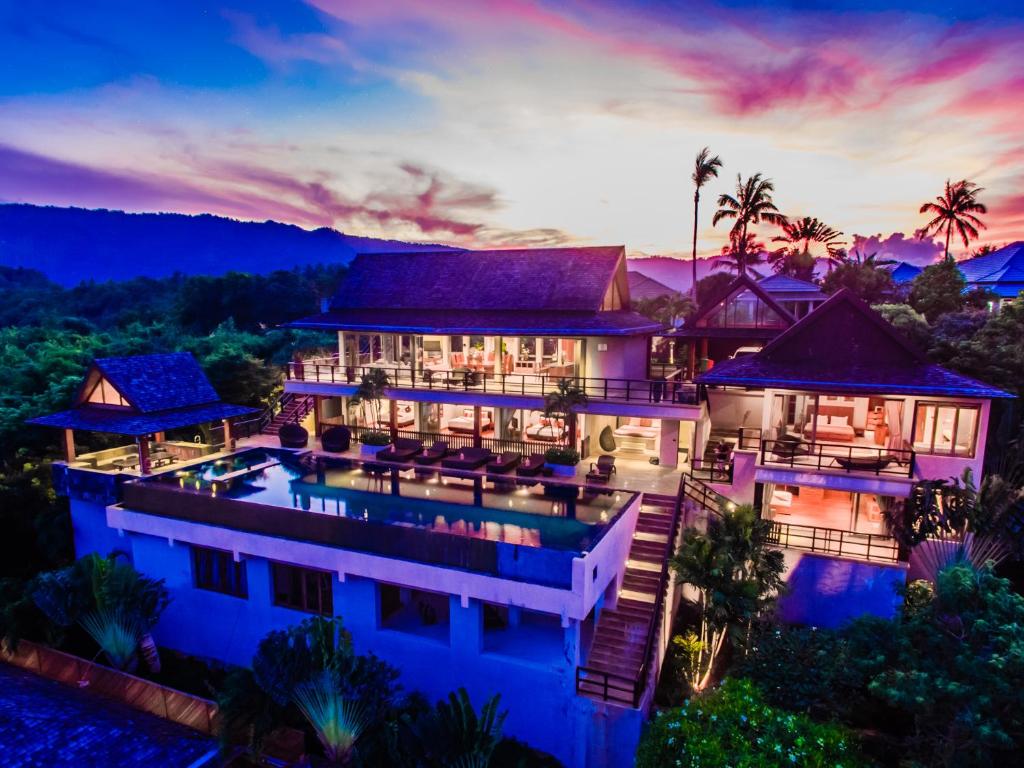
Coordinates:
(458,556)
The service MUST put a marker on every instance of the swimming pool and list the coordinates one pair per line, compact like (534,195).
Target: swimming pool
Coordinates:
(472,508)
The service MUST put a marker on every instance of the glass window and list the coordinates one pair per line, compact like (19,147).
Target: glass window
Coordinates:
(946,429)
(302,589)
(744,310)
(217,571)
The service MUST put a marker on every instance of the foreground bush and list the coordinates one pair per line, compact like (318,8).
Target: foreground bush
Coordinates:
(734,726)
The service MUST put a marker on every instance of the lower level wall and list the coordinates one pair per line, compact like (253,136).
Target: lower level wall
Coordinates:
(540,697)
(830,591)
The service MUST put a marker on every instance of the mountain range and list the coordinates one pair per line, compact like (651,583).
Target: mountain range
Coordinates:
(72,245)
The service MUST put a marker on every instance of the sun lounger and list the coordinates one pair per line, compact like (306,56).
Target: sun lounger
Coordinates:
(505,463)
(468,458)
(433,454)
(404,449)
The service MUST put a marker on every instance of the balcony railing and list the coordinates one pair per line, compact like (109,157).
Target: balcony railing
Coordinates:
(457,442)
(859,459)
(651,391)
(875,547)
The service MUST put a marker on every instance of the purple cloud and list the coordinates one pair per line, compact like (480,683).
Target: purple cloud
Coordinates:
(899,247)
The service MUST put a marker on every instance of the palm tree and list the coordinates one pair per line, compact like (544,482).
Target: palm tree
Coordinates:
(563,403)
(741,255)
(859,258)
(804,232)
(752,204)
(705,168)
(956,208)
(337,720)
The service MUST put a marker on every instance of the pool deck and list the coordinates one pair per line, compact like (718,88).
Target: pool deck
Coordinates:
(46,723)
(630,475)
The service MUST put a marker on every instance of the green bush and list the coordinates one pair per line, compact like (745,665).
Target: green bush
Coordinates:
(375,438)
(569,457)
(735,727)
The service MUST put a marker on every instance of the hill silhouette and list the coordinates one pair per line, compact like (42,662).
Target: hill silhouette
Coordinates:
(71,245)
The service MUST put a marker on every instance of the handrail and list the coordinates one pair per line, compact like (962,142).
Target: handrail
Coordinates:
(633,688)
(673,391)
(457,441)
(875,547)
(842,456)
(748,437)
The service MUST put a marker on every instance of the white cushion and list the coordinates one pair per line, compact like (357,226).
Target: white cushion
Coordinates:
(839,421)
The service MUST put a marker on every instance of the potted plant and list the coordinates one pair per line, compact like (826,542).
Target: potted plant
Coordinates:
(562,460)
(371,392)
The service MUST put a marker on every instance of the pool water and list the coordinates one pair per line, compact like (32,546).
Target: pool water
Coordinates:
(456,506)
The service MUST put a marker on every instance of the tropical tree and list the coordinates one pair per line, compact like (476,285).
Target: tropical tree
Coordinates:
(705,168)
(668,310)
(957,208)
(752,204)
(564,403)
(939,289)
(449,735)
(338,721)
(371,391)
(737,576)
(798,236)
(952,521)
(864,277)
(741,255)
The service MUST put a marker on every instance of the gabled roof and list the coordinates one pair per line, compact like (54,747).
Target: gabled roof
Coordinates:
(162,392)
(155,382)
(1001,271)
(642,287)
(529,279)
(791,287)
(696,325)
(845,346)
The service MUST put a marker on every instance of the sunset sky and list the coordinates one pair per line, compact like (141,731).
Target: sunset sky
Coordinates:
(513,122)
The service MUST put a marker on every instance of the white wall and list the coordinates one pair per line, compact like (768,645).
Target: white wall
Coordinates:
(622,357)
(731,409)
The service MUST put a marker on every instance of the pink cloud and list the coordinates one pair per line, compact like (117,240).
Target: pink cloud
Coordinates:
(899,247)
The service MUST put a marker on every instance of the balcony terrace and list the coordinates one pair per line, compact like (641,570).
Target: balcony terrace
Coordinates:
(670,390)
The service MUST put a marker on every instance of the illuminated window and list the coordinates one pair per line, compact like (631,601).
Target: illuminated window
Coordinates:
(302,589)
(946,429)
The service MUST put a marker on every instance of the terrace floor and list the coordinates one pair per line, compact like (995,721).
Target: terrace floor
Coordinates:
(46,723)
(630,474)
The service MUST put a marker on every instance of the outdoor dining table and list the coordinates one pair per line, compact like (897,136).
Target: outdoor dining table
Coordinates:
(129,462)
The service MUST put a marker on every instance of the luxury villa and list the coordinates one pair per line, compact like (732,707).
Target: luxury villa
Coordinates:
(456,552)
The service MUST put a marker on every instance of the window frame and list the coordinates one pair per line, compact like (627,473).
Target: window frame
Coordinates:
(957,407)
(237,567)
(325,592)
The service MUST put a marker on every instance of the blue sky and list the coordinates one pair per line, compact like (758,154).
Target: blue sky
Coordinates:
(513,122)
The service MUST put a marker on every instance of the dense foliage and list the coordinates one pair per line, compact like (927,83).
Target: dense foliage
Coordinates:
(734,727)
(48,335)
(943,680)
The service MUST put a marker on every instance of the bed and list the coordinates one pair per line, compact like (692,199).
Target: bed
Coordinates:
(831,424)
(464,424)
(634,427)
(406,418)
(547,430)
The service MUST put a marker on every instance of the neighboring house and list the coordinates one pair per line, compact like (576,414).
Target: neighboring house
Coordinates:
(552,589)
(904,272)
(742,318)
(1000,272)
(798,297)
(644,288)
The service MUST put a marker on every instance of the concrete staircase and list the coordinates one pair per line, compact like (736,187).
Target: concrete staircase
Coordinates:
(294,408)
(620,646)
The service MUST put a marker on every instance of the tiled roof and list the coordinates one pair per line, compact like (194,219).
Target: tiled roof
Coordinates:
(643,287)
(783,284)
(905,272)
(510,323)
(533,279)
(127,422)
(158,382)
(1001,271)
(845,346)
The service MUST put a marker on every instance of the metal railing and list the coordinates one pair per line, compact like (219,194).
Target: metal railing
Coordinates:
(652,391)
(875,547)
(630,690)
(459,441)
(748,438)
(847,457)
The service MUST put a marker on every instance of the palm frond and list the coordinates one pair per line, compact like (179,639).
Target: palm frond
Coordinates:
(338,722)
(118,635)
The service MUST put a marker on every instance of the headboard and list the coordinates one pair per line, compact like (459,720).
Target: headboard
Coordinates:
(834,410)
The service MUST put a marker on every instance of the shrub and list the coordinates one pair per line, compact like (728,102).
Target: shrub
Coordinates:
(734,726)
(569,457)
(375,438)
